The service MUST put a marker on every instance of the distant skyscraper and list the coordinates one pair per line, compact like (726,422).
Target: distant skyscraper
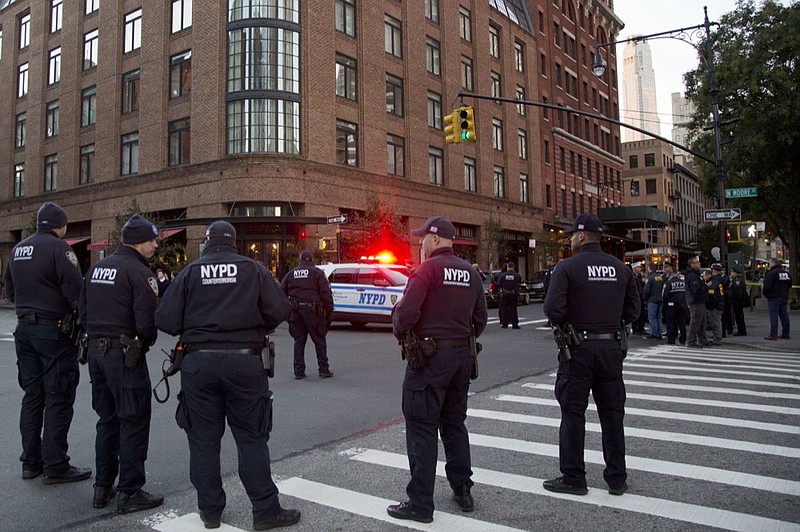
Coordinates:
(639,91)
(682,111)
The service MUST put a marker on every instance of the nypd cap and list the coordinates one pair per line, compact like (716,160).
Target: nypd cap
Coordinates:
(306,256)
(437,225)
(138,229)
(717,267)
(587,222)
(222,230)
(50,216)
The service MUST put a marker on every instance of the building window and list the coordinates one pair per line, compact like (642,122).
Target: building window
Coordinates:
(564,202)
(499,182)
(434,110)
(130,91)
(522,137)
(545,110)
(21,130)
(19,180)
(558,75)
(263,125)
(496,89)
(180,141)
(634,187)
(548,194)
(395,155)
(571,162)
(264,58)
(392,36)
(547,151)
(465,23)
(91,6)
(24,30)
(180,74)
(524,194)
(51,119)
(181,15)
(54,66)
(346,143)
(87,164)
(88,106)
(633,161)
(470,175)
(130,154)
(466,73)
(50,172)
(649,159)
(543,64)
(435,166)
(497,134)
(519,56)
(346,77)
(90,49)
(562,159)
(433,56)
(432,10)
(521,96)
(56,15)
(494,41)
(394,95)
(287,10)
(346,17)
(574,206)
(650,186)
(133,31)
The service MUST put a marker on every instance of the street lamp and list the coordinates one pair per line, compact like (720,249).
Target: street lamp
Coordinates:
(689,35)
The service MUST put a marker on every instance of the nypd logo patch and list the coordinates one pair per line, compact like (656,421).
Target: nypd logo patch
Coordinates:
(72,258)
(153,285)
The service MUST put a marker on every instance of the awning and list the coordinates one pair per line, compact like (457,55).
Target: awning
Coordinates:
(76,240)
(103,244)
(166,233)
(464,242)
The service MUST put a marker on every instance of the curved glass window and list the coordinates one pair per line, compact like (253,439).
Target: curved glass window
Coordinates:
(288,10)
(263,125)
(263,58)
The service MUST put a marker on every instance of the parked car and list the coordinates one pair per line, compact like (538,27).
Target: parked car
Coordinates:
(536,285)
(493,296)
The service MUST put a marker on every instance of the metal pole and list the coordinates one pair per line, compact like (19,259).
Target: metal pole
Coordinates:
(719,171)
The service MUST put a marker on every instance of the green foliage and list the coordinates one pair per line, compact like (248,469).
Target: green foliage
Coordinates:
(497,248)
(756,51)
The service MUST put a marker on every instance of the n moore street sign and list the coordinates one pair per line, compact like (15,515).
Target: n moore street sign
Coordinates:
(749,192)
(713,215)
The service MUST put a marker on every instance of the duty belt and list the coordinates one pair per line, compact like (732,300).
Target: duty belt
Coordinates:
(586,336)
(308,303)
(34,319)
(452,342)
(105,343)
(243,351)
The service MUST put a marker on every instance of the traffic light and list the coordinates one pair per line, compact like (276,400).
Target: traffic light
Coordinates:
(466,124)
(452,132)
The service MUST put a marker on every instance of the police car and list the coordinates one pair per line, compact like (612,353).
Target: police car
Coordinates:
(364,293)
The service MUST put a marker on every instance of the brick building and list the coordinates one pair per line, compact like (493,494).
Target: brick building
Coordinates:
(277,115)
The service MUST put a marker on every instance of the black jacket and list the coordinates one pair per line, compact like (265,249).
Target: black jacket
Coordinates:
(308,283)
(696,289)
(777,283)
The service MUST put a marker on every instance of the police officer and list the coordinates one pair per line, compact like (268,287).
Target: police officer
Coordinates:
(118,304)
(548,275)
(696,296)
(312,308)
(595,293)
(716,302)
(508,283)
(727,318)
(675,304)
(43,281)
(222,305)
(443,301)
(737,294)
(653,298)
(777,283)
(641,319)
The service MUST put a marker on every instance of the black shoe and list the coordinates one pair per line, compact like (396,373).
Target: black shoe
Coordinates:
(135,502)
(284,518)
(325,374)
(464,499)
(784,337)
(404,511)
(72,474)
(504,326)
(300,376)
(30,474)
(102,496)
(619,490)
(739,334)
(516,327)
(671,342)
(559,486)
(210,522)
(716,344)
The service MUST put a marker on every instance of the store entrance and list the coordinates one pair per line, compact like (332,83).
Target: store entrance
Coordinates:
(267,252)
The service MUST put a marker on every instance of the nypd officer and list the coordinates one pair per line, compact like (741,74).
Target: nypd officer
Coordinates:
(675,304)
(508,283)
(443,301)
(312,307)
(222,305)
(595,293)
(118,304)
(43,281)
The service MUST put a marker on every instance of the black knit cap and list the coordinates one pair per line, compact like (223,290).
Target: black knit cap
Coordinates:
(138,229)
(50,216)
(221,230)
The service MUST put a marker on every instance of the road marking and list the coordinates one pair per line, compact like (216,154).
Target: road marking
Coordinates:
(375,507)
(190,523)
(705,379)
(677,437)
(637,364)
(722,362)
(712,389)
(781,355)
(530,322)
(735,358)
(775,409)
(678,511)
(664,414)
(661,467)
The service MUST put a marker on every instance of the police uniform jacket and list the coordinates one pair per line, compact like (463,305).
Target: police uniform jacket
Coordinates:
(222,300)
(308,283)
(593,291)
(119,296)
(43,276)
(442,300)
(548,275)
(738,292)
(509,281)
(777,283)
(675,291)
(696,289)
(716,293)
(654,288)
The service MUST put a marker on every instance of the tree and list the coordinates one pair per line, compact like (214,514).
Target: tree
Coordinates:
(496,246)
(756,58)
(375,229)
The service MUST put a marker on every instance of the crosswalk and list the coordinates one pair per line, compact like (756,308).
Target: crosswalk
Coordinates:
(713,440)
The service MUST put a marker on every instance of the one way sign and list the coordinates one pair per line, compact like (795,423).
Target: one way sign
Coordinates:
(713,215)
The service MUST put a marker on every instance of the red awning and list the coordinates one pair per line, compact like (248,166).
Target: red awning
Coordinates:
(103,244)
(76,240)
(166,233)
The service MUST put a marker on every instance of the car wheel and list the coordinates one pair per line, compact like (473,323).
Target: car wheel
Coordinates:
(358,324)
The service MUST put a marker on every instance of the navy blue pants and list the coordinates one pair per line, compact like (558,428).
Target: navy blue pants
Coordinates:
(435,397)
(302,324)
(596,366)
(121,398)
(508,309)
(676,323)
(216,386)
(48,374)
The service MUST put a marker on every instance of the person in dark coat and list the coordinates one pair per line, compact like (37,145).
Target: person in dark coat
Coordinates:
(675,304)
(777,283)
(508,286)
(696,297)
(737,295)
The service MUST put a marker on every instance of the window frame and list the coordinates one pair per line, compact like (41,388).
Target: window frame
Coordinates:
(522,144)
(433,56)
(345,17)
(394,88)
(494,41)
(56,15)
(346,77)
(393,36)
(179,136)
(184,21)
(498,181)
(395,155)
(524,188)
(89,106)
(54,66)
(52,119)
(470,174)
(435,110)
(432,10)
(180,73)
(435,166)
(51,172)
(129,153)
(348,132)
(19,180)
(24,29)
(131,88)
(20,129)
(497,134)
(86,164)
(465,23)
(132,31)
(91,40)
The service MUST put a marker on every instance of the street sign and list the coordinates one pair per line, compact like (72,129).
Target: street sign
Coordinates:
(749,192)
(337,219)
(713,215)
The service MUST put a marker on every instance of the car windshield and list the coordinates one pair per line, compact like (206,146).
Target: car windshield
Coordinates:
(397,278)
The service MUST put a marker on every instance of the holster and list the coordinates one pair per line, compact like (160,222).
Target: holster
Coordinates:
(268,356)
(83,349)
(132,349)
(69,326)
(411,350)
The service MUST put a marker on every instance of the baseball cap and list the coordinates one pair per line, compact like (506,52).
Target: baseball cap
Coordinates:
(636,265)
(587,222)
(551,257)
(221,229)
(717,267)
(306,255)
(437,225)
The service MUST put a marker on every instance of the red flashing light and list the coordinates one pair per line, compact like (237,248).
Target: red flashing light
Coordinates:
(303,233)
(384,257)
